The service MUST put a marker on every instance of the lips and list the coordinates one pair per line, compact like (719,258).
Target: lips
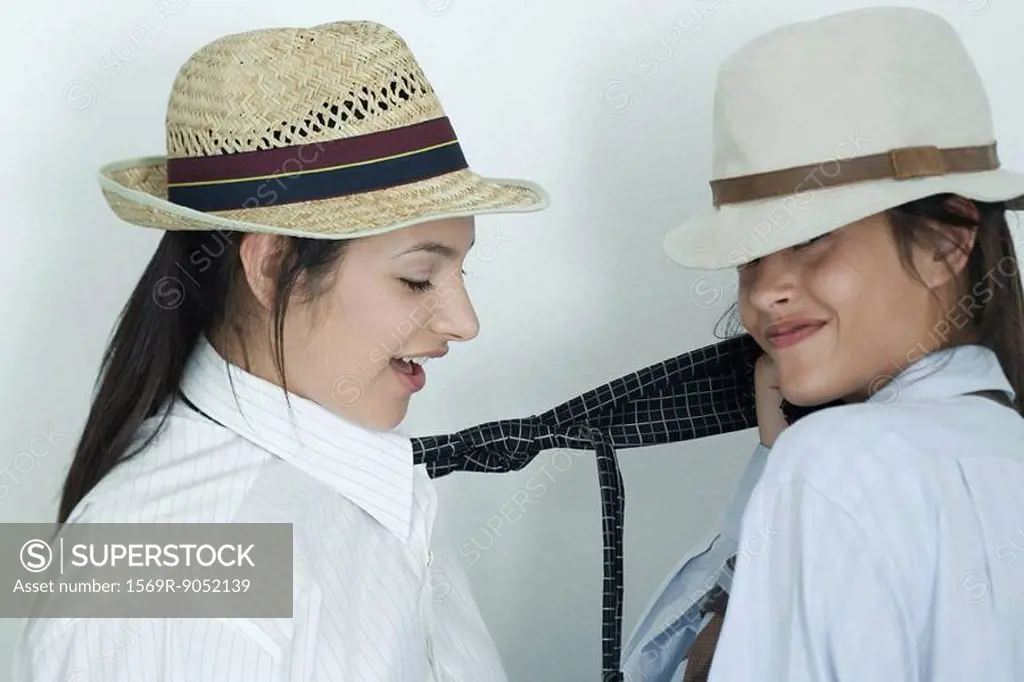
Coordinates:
(409,368)
(409,373)
(789,333)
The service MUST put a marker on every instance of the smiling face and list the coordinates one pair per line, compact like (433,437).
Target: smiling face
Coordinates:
(840,315)
(393,296)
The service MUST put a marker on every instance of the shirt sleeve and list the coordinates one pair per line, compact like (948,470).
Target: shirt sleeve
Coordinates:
(812,598)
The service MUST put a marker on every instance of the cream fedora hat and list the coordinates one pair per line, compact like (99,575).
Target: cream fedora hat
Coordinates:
(332,131)
(825,122)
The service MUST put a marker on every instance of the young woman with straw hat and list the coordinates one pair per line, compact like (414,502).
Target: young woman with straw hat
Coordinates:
(858,192)
(317,210)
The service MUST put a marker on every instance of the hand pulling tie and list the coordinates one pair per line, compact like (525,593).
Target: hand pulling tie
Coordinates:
(705,392)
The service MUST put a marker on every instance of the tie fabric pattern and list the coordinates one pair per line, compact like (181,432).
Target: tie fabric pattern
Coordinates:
(705,392)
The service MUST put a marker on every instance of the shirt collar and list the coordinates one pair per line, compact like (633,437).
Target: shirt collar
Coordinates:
(374,469)
(946,373)
(733,519)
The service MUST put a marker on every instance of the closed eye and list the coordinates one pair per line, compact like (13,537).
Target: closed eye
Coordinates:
(803,245)
(418,285)
(796,247)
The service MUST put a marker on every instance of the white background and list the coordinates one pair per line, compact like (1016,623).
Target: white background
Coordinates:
(605,103)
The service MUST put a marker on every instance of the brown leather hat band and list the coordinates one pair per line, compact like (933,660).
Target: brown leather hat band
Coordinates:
(897,164)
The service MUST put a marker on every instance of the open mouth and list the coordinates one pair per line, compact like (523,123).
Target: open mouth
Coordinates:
(410,372)
(408,365)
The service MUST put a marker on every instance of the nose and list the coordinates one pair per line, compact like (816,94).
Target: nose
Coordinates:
(772,282)
(455,319)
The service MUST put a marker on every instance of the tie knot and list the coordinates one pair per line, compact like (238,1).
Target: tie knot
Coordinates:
(520,440)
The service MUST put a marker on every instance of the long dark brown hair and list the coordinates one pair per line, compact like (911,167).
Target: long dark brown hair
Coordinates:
(193,284)
(991,299)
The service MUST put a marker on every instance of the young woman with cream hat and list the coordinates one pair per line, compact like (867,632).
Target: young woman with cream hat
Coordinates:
(858,191)
(317,208)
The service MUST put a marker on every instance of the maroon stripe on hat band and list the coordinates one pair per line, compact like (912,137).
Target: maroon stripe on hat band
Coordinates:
(312,156)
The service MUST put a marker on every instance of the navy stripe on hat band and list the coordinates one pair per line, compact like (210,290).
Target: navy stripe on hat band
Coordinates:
(320,184)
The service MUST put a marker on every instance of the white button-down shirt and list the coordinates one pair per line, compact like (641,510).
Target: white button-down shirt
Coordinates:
(370,600)
(880,542)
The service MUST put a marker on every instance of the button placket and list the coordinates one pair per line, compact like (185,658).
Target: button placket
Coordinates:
(427,596)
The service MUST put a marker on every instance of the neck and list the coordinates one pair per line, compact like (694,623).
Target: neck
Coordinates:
(254,357)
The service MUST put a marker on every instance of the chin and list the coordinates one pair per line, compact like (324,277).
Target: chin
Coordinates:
(378,417)
(393,414)
(385,421)
(798,398)
(815,389)
(394,421)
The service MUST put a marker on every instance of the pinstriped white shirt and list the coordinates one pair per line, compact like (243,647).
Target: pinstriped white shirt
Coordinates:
(370,603)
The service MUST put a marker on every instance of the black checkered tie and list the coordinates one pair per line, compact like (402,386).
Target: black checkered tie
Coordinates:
(705,392)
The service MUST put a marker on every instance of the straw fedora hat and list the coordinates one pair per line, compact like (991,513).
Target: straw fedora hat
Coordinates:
(331,132)
(826,122)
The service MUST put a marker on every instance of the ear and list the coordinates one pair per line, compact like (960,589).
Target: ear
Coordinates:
(963,207)
(261,257)
(958,242)
(946,258)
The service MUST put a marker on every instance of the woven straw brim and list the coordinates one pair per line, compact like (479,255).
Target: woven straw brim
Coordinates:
(136,191)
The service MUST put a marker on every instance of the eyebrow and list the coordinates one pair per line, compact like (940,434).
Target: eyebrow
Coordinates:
(434,247)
